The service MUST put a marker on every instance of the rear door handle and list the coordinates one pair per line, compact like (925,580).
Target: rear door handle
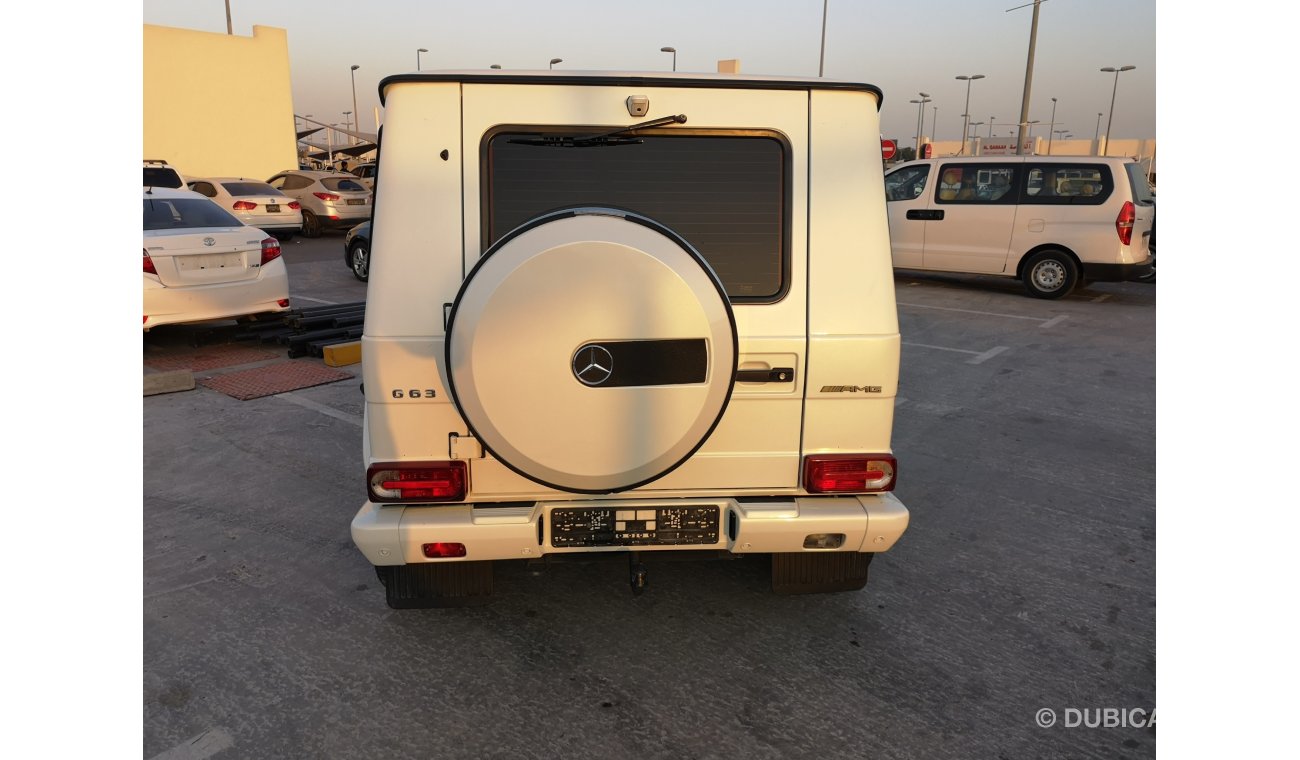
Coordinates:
(931,215)
(776,375)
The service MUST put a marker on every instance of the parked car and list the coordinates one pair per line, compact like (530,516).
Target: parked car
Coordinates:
(366,173)
(631,335)
(254,203)
(202,263)
(159,173)
(356,250)
(330,200)
(1051,222)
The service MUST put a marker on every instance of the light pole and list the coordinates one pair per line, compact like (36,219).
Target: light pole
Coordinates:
(1096,134)
(1051,128)
(495,66)
(417,57)
(1029,75)
(821,61)
(934,125)
(966,121)
(354,91)
(1030,126)
(673,51)
(347,122)
(991,120)
(555,61)
(1056,132)
(1113,89)
(974,132)
(920,119)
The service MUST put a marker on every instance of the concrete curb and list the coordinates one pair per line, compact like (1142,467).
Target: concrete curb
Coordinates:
(168,382)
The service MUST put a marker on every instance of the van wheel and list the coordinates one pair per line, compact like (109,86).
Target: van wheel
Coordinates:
(1050,274)
(310,225)
(441,584)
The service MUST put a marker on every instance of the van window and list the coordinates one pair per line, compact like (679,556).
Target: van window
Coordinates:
(906,183)
(977,184)
(1077,184)
(727,194)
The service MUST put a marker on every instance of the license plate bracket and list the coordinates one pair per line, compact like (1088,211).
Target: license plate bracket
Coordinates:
(272,208)
(634,526)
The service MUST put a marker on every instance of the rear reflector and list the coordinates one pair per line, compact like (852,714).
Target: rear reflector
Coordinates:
(148,263)
(283,303)
(395,482)
(443,550)
(270,250)
(245,205)
(849,473)
(1124,223)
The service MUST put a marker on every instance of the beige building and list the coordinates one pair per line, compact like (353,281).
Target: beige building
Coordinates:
(218,104)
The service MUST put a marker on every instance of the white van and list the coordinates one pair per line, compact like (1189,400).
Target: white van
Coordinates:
(627,313)
(1051,222)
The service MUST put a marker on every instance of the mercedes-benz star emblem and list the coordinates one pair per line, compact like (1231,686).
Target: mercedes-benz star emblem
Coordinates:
(209,241)
(593,365)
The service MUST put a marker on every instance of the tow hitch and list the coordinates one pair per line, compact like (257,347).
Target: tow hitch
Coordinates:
(637,575)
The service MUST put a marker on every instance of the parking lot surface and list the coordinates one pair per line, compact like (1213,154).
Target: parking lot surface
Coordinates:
(1025,434)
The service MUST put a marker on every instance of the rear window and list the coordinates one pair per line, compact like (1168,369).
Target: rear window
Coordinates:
(1137,179)
(343,184)
(250,188)
(161,176)
(185,213)
(727,194)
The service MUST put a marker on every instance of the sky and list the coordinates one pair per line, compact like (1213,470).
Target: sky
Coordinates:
(904,48)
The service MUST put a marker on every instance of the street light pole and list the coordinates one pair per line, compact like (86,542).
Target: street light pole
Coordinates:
(966,116)
(555,61)
(1051,128)
(821,64)
(417,57)
(934,125)
(354,92)
(991,120)
(1096,134)
(672,50)
(1029,78)
(1113,89)
(920,119)
(1061,132)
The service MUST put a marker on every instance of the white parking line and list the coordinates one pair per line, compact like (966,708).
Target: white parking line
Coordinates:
(325,410)
(1058,319)
(978,357)
(899,401)
(970,311)
(1101,298)
(315,300)
(203,746)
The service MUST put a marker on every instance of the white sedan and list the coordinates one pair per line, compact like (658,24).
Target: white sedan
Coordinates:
(254,202)
(202,263)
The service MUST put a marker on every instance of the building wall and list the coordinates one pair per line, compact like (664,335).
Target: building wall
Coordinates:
(218,104)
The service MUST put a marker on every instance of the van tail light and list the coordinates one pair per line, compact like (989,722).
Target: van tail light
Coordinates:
(245,205)
(1124,222)
(270,250)
(148,263)
(295,205)
(326,196)
(849,473)
(400,482)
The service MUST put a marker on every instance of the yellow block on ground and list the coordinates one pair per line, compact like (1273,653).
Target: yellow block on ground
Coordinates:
(342,354)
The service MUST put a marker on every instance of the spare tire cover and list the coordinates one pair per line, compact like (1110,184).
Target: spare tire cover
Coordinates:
(591,350)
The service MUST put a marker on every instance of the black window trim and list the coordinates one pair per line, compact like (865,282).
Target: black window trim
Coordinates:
(1107,182)
(787,189)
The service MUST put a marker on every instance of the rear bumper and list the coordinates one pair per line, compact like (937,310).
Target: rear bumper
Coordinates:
(395,534)
(1117,272)
(198,303)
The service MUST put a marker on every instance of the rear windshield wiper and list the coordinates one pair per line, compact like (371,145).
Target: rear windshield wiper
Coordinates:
(615,137)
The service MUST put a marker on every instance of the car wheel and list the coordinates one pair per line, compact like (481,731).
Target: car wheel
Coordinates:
(359,259)
(310,224)
(1050,274)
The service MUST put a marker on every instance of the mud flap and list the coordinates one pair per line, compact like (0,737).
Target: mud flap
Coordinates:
(449,584)
(818,573)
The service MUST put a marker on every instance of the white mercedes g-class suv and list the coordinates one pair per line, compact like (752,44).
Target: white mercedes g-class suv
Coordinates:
(633,313)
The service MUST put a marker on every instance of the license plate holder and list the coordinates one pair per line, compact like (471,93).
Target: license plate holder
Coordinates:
(356,201)
(634,526)
(272,208)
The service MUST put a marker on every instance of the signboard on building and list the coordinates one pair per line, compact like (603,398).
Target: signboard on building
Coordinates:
(1003,147)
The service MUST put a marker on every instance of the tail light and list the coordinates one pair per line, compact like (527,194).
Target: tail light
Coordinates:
(326,196)
(270,250)
(283,303)
(148,263)
(849,473)
(1124,222)
(295,205)
(398,482)
(245,205)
